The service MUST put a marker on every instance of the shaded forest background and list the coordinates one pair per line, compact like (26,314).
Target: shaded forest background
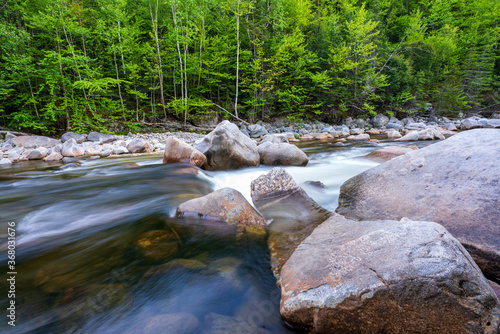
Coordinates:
(87,64)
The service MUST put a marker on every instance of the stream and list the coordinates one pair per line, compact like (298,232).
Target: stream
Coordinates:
(78,267)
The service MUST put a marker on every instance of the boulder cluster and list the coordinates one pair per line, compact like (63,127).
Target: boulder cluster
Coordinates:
(404,253)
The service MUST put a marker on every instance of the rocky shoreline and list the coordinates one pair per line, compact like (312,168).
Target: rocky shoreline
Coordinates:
(96,145)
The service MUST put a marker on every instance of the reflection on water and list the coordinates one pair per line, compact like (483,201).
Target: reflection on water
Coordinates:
(91,256)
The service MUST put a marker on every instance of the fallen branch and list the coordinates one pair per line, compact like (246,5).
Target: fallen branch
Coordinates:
(239,119)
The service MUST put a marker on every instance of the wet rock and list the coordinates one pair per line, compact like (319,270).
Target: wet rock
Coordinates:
(227,148)
(79,138)
(5,161)
(178,151)
(293,213)
(37,154)
(34,141)
(385,277)
(175,264)
(282,154)
(394,126)
(224,205)
(120,150)
(101,137)
(158,245)
(68,160)
(453,182)
(380,120)
(53,157)
(174,323)
(316,184)
(362,137)
(139,146)
(393,134)
(256,131)
(411,136)
(496,288)
(71,149)
(388,153)
(222,324)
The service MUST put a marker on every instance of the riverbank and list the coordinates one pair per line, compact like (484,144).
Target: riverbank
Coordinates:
(96,145)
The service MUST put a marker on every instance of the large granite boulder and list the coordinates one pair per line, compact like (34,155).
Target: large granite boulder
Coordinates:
(388,153)
(282,154)
(224,205)
(34,141)
(385,277)
(228,148)
(178,151)
(293,213)
(454,182)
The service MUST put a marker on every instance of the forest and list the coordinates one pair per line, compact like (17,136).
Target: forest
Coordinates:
(85,65)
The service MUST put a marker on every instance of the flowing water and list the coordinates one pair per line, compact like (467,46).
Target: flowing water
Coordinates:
(79,266)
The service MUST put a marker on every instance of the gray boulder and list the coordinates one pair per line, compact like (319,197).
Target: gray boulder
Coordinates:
(410,136)
(454,182)
(9,135)
(53,157)
(362,137)
(34,141)
(37,154)
(380,120)
(71,149)
(101,137)
(256,131)
(394,126)
(282,154)
(385,277)
(393,134)
(275,139)
(178,151)
(225,205)
(174,323)
(79,138)
(470,123)
(228,148)
(120,150)
(139,146)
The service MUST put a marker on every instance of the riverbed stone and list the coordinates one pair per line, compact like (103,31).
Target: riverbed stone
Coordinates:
(37,154)
(34,141)
(54,156)
(158,244)
(256,131)
(139,146)
(227,148)
(388,153)
(173,323)
(71,149)
(79,138)
(93,150)
(380,120)
(9,135)
(293,213)
(120,150)
(453,182)
(178,151)
(385,277)
(394,126)
(410,136)
(5,161)
(362,137)
(282,154)
(393,134)
(101,137)
(222,324)
(225,205)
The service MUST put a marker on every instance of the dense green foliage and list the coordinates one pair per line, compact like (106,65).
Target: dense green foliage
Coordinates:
(87,64)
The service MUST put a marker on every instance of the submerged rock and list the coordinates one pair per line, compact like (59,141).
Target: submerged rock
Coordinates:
(158,245)
(454,182)
(224,205)
(385,277)
(228,148)
(178,151)
(223,324)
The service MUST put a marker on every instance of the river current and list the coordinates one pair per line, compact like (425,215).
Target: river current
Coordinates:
(78,268)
